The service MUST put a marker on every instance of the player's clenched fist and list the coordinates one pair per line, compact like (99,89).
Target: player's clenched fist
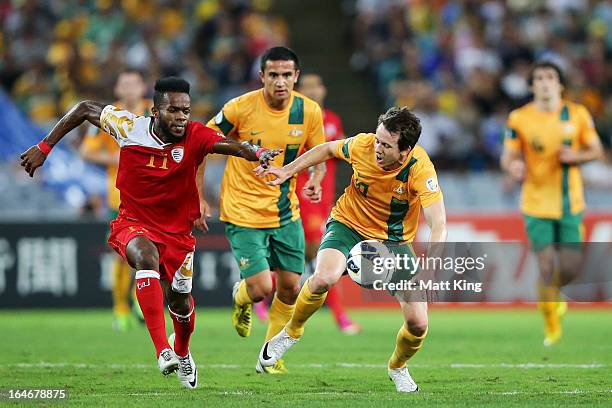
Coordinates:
(32,159)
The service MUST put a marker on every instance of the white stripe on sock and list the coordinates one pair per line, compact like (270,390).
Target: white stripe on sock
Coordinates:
(147,273)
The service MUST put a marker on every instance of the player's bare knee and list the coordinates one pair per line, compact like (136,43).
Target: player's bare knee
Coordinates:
(179,303)
(259,291)
(321,282)
(288,294)
(143,254)
(417,326)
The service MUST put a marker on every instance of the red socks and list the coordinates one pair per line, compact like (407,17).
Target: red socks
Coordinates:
(151,300)
(183,327)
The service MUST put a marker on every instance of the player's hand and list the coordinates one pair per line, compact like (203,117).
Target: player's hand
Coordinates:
(32,159)
(313,191)
(567,155)
(516,169)
(200,223)
(265,156)
(281,174)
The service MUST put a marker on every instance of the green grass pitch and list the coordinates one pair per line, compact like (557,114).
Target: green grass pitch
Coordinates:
(471,357)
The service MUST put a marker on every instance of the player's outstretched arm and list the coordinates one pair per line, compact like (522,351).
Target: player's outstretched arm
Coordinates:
(312,157)
(36,155)
(246,150)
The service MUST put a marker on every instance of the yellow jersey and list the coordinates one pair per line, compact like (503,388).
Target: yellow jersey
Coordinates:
(247,200)
(97,140)
(384,204)
(550,189)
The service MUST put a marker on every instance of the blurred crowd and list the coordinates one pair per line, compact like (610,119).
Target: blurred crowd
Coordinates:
(463,64)
(54,53)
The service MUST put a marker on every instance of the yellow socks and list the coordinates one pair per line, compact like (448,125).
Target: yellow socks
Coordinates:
(279,315)
(307,303)
(549,305)
(242,296)
(122,283)
(406,345)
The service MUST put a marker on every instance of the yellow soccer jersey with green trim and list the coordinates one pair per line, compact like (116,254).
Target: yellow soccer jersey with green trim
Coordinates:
(247,200)
(381,204)
(550,189)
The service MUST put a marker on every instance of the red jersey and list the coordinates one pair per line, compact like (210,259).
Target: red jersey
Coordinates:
(333,131)
(156,180)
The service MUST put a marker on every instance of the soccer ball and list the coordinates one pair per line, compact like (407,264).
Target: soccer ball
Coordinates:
(366,263)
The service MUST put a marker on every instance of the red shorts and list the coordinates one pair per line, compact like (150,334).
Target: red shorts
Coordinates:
(175,251)
(314,220)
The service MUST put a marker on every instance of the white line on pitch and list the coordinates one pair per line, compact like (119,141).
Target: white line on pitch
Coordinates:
(43,364)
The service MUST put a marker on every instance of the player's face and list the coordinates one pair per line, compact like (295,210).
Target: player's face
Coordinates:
(546,83)
(387,154)
(173,114)
(130,88)
(312,86)
(278,79)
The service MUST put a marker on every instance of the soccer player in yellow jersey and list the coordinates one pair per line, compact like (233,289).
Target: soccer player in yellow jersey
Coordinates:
(263,222)
(393,178)
(546,140)
(100,148)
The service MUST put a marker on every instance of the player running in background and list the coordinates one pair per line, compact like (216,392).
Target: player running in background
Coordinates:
(392,179)
(100,148)
(314,215)
(263,222)
(159,204)
(546,140)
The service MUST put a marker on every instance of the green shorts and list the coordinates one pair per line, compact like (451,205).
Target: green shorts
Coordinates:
(112,213)
(343,238)
(543,232)
(258,249)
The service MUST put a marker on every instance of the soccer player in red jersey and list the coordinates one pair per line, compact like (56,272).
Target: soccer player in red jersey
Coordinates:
(159,204)
(314,215)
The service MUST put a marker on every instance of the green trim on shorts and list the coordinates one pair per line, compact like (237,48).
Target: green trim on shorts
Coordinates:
(543,232)
(260,249)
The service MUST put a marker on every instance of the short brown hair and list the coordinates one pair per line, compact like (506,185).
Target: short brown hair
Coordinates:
(546,64)
(402,121)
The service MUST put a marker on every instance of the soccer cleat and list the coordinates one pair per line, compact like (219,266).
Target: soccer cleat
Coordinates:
(552,338)
(168,362)
(187,372)
(277,368)
(274,349)
(402,380)
(241,315)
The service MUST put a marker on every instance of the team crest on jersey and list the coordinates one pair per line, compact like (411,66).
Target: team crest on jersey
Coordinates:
(244,262)
(432,184)
(177,154)
(295,132)
(399,190)
(569,128)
